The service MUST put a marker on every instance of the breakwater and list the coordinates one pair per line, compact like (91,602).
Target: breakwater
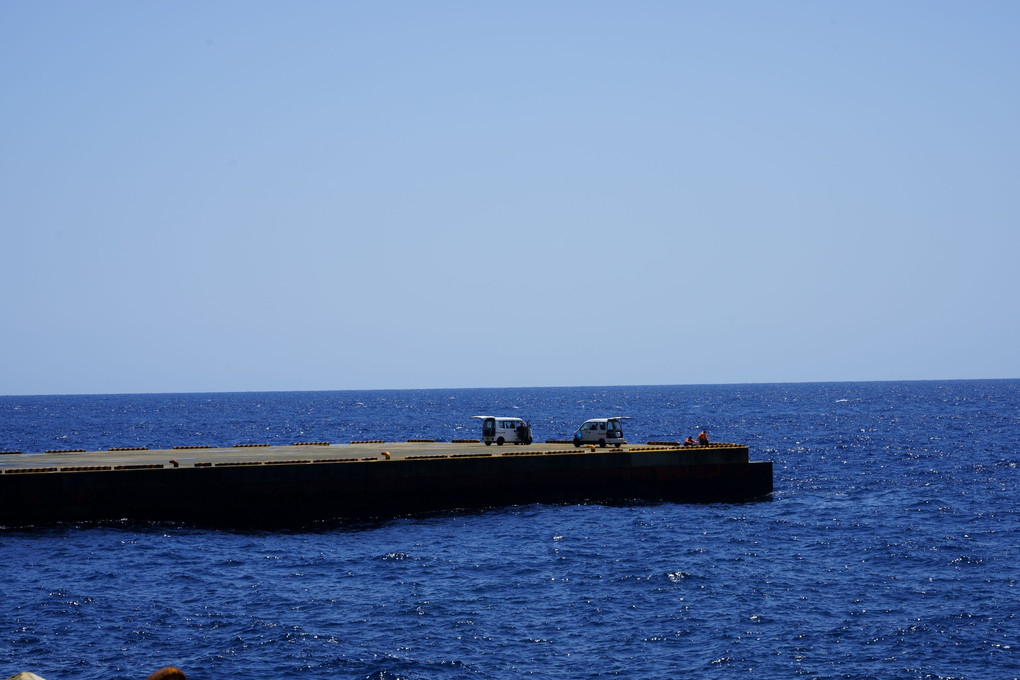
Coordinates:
(289,485)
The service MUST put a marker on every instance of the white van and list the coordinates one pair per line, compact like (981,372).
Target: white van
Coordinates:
(501,429)
(601,431)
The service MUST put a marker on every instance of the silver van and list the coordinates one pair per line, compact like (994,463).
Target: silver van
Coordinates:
(504,429)
(601,431)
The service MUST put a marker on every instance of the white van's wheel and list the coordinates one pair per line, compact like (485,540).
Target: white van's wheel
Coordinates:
(499,442)
(602,443)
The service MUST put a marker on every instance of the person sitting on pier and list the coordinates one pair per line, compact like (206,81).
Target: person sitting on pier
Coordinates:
(703,438)
(689,441)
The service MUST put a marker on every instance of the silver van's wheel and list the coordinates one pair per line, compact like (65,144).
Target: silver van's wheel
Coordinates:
(499,442)
(488,443)
(602,443)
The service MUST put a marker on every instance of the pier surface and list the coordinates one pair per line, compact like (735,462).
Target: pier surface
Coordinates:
(261,485)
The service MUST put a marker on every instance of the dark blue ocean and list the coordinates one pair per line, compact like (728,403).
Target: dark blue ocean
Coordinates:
(890,548)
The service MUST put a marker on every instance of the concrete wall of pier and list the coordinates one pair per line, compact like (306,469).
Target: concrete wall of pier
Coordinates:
(288,494)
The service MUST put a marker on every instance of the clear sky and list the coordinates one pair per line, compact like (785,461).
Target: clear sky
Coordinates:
(221,196)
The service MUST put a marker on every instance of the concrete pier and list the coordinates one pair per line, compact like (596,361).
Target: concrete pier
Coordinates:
(267,486)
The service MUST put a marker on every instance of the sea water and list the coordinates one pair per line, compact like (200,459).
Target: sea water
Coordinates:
(889,549)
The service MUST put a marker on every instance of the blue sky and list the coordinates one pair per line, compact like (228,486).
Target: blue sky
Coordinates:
(329,195)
